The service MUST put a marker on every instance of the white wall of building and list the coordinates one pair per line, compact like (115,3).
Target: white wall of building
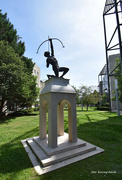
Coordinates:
(36,72)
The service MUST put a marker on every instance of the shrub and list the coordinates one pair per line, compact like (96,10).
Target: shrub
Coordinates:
(103,108)
(36,109)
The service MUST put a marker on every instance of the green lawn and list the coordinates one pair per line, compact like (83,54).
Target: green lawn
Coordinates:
(100,128)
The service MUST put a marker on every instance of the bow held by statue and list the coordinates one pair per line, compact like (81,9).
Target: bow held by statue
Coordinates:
(49,40)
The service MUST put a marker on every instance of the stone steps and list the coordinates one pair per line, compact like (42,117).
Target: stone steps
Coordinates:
(63,144)
(66,155)
(46,159)
(66,151)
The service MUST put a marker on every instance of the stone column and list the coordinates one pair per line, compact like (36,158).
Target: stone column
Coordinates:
(60,119)
(72,121)
(42,119)
(52,125)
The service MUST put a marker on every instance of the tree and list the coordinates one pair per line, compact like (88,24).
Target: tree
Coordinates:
(8,33)
(118,75)
(78,100)
(90,96)
(86,91)
(95,97)
(31,92)
(28,63)
(17,85)
(105,99)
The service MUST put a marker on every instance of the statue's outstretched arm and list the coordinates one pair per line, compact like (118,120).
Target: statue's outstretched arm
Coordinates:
(52,49)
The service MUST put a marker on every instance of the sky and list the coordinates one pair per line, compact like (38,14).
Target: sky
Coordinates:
(77,23)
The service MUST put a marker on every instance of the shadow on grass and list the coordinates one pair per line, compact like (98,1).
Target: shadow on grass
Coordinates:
(88,118)
(107,135)
(104,130)
(104,134)
(83,110)
(7,119)
(13,155)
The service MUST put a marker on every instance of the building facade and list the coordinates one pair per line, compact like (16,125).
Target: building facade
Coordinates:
(103,82)
(36,72)
(112,64)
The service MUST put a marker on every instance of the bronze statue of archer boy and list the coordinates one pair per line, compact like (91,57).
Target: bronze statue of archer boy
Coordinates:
(52,60)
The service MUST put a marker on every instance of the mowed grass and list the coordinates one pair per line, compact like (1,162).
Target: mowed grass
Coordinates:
(103,129)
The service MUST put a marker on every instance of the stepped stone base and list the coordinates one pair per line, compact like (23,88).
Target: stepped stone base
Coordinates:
(46,159)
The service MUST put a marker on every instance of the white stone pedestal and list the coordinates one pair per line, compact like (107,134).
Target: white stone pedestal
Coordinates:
(56,92)
(56,149)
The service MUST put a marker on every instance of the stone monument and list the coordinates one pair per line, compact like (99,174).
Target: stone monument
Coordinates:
(56,92)
(56,149)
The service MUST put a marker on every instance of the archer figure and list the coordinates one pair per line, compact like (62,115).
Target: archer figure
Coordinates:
(52,60)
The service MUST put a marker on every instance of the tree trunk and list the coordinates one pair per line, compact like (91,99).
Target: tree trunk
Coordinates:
(2,102)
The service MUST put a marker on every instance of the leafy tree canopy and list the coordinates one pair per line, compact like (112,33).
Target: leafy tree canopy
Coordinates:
(119,78)
(28,63)
(78,99)
(8,33)
(17,85)
(90,95)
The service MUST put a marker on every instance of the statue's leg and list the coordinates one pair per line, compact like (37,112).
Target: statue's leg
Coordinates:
(56,71)
(50,76)
(64,69)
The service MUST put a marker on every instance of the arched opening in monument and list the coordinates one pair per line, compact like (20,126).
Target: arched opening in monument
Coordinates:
(64,112)
(65,117)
